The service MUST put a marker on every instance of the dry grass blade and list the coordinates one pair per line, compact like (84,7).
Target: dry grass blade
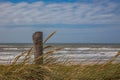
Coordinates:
(49,46)
(110,61)
(17,58)
(52,51)
(113,59)
(49,37)
(27,57)
(50,61)
(38,58)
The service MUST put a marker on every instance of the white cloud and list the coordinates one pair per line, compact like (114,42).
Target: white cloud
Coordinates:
(58,13)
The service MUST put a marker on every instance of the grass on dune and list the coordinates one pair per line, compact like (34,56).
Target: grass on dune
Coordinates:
(60,72)
(55,70)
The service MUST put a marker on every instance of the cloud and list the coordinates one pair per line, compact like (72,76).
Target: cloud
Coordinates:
(59,13)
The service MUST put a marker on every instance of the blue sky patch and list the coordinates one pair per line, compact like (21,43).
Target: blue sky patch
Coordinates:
(76,21)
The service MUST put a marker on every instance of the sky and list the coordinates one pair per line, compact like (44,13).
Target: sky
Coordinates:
(76,21)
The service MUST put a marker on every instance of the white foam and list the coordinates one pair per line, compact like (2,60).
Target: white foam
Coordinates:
(14,49)
(10,48)
(8,53)
(76,49)
(78,54)
(88,48)
(61,52)
(7,57)
(26,48)
(108,48)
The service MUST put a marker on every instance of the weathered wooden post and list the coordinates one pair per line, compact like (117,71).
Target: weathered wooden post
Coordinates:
(38,47)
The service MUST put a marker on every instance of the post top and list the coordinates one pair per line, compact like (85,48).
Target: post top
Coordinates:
(38,32)
(37,35)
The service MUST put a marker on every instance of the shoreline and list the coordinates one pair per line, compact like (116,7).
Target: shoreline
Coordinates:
(75,45)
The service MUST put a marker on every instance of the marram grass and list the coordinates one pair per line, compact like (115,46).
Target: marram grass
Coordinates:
(59,72)
(54,70)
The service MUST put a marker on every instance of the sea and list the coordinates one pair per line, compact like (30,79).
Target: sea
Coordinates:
(71,52)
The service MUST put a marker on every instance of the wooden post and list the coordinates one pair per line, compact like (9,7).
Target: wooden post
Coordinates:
(38,47)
